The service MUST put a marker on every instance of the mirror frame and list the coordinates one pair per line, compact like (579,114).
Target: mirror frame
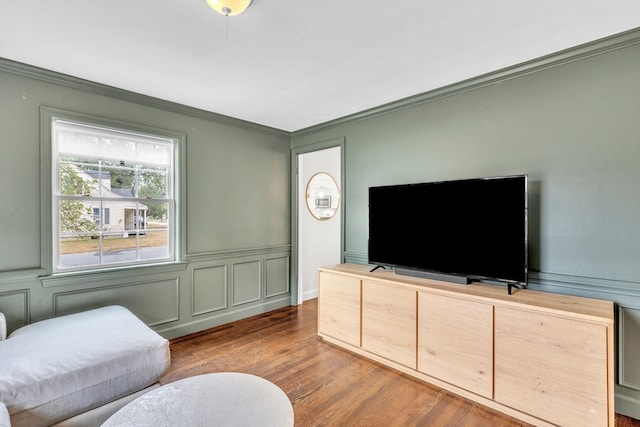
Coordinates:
(322,203)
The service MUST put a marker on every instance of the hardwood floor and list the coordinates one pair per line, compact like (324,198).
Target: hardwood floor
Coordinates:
(327,386)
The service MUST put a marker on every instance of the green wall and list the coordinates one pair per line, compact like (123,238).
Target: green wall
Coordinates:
(572,123)
(235,242)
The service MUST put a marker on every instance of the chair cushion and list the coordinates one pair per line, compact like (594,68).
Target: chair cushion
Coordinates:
(57,368)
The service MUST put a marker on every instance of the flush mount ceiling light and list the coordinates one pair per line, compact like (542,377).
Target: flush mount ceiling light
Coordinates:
(229,7)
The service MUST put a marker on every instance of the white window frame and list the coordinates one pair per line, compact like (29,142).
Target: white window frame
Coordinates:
(50,231)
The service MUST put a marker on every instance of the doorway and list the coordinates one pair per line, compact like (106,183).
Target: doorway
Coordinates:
(319,238)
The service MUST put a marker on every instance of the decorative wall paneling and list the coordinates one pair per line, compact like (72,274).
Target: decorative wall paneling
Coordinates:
(629,347)
(208,292)
(15,306)
(209,289)
(133,295)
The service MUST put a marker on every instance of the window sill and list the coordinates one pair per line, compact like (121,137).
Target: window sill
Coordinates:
(109,274)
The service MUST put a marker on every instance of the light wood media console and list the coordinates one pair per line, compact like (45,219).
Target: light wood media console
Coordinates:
(547,359)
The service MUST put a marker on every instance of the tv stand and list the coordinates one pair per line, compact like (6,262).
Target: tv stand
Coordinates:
(451,278)
(510,286)
(546,359)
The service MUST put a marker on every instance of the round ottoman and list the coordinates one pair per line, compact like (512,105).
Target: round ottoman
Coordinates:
(220,399)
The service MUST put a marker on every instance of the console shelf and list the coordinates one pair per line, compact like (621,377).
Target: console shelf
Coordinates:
(544,358)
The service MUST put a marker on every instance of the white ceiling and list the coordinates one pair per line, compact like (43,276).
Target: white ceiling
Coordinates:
(291,64)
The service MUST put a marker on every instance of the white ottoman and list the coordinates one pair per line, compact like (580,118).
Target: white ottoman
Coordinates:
(220,399)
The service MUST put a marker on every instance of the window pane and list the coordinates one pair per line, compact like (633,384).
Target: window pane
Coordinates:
(79,251)
(116,248)
(154,234)
(152,183)
(158,215)
(76,219)
(154,244)
(73,181)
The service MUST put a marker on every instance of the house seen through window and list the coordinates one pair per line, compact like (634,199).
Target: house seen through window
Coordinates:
(113,197)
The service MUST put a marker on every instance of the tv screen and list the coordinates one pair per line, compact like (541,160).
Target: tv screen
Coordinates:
(475,228)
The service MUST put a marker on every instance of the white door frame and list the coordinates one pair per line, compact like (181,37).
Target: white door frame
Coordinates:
(296,192)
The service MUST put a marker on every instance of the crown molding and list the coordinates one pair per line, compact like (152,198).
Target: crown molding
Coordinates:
(577,53)
(42,74)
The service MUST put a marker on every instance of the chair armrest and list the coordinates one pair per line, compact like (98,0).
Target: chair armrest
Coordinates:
(3,327)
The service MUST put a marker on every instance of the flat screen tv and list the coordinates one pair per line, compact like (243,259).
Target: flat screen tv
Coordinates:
(461,230)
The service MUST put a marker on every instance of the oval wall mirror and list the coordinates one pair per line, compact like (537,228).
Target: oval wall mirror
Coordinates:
(323,196)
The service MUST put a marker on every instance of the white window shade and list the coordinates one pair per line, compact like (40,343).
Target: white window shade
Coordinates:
(85,141)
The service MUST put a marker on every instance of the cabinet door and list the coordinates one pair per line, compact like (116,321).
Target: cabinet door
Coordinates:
(339,307)
(551,367)
(455,341)
(389,322)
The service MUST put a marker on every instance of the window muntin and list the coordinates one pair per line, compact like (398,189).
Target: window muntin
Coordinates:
(113,197)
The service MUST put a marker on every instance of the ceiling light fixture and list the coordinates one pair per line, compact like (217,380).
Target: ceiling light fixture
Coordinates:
(229,7)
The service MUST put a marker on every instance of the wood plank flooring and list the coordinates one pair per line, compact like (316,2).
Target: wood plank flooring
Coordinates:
(327,386)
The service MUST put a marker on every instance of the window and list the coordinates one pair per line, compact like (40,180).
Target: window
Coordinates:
(97,217)
(113,199)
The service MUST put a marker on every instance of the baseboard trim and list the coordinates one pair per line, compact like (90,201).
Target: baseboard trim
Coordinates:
(627,402)
(198,325)
(310,295)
